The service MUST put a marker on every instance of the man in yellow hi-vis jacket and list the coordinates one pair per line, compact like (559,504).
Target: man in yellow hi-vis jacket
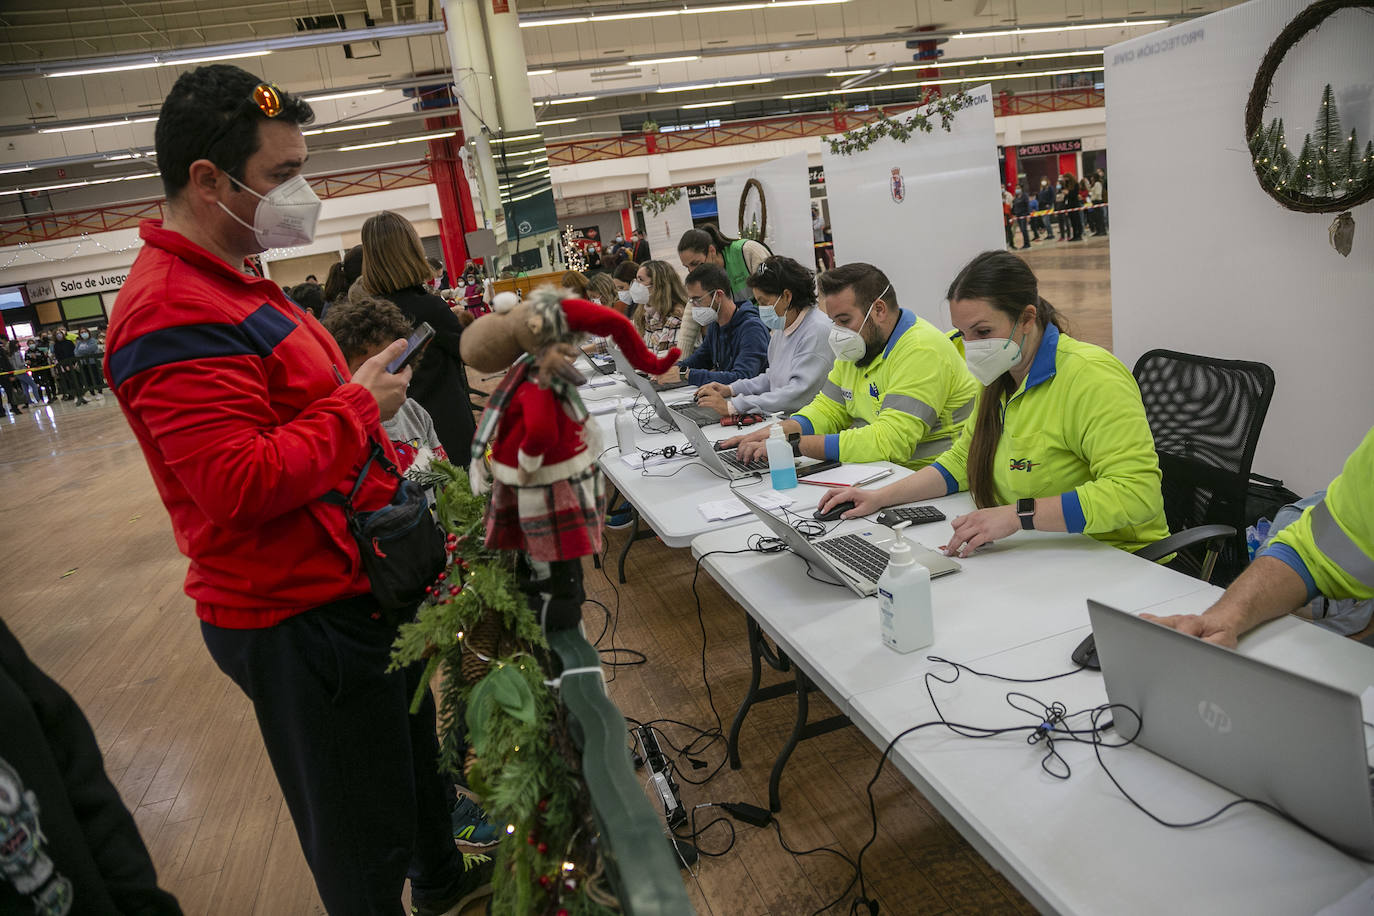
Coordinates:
(1328,551)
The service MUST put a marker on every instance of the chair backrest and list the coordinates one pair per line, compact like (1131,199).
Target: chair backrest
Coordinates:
(1206,415)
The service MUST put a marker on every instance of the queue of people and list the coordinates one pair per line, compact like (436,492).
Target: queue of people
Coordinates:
(56,364)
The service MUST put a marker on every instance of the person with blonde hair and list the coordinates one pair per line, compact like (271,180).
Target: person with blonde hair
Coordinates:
(395,268)
(601,290)
(575,282)
(661,301)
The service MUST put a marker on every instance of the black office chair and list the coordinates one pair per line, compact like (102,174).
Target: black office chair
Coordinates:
(1206,415)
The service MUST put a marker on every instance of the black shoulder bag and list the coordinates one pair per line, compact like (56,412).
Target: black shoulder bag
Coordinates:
(402,546)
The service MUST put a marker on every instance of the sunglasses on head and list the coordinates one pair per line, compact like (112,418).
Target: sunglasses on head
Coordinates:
(265,97)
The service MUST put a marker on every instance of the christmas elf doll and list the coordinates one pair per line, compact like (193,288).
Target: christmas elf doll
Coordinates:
(548,495)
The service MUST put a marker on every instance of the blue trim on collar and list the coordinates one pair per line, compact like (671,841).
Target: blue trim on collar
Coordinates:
(905,323)
(1043,367)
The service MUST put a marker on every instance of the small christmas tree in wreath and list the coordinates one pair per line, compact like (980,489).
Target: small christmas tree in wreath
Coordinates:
(1332,173)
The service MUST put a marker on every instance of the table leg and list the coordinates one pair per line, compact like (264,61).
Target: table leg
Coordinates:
(629,541)
(801,730)
(759,652)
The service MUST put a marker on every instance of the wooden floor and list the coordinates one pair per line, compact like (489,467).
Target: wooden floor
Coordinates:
(92,586)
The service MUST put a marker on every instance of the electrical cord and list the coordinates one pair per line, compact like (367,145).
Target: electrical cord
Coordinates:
(692,837)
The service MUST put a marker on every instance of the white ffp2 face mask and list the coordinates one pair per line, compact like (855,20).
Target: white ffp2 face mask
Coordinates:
(988,358)
(847,343)
(704,315)
(285,217)
(639,293)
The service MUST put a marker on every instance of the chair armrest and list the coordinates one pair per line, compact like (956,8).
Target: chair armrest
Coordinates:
(1187,538)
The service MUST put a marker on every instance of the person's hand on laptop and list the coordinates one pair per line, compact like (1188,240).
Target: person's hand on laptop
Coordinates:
(713,395)
(980,528)
(749,447)
(866,502)
(1208,627)
(674,374)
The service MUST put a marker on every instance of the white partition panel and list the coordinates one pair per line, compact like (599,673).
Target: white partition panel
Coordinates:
(920,210)
(787,195)
(1204,261)
(663,231)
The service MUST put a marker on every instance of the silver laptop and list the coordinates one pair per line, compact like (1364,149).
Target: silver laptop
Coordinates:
(701,416)
(1257,730)
(725,462)
(856,559)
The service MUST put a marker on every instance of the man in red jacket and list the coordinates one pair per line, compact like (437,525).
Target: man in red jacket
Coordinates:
(246,414)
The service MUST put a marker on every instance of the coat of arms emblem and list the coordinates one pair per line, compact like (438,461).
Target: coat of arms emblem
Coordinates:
(898,186)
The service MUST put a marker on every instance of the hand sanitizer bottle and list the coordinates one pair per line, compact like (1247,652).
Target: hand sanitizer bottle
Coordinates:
(905,615)
(781,464)
(624,430)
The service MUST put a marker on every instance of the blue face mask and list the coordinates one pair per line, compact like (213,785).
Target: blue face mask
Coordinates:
(771,319)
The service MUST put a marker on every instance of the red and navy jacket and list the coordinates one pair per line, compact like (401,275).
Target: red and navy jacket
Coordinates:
(242,405)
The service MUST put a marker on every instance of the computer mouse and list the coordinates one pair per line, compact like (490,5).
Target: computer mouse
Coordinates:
(1086,654)
(834,512)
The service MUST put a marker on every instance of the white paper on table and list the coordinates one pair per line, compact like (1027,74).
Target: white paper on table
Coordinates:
(603,406)
(601,381)
(1358,902)
(721,509)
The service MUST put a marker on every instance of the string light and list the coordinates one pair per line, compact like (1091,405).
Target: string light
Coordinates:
(83,240)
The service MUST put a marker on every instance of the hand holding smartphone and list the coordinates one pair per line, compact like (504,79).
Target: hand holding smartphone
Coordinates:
(415,345)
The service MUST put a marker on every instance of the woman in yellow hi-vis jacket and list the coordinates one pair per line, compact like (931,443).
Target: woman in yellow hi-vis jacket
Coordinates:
(1060,442)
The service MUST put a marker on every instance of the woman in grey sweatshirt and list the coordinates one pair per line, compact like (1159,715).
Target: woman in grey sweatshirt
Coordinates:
(799,355)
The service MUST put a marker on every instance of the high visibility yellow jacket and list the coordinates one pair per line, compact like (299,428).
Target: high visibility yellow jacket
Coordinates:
(905,407)
(1331,545)
(1075,428)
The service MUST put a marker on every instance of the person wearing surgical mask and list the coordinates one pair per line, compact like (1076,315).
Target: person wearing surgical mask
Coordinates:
(799,354)
(1060,442)
(623,278)
(734,344)
(660,303)
(248,415)
(898,390)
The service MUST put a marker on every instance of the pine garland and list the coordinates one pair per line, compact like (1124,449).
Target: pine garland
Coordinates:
(478,632)
(657,201)
(903,129)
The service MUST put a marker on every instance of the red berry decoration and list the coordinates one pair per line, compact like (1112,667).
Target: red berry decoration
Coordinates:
(454,589)
(531,839)
(442,576)
(563,911)
(544,804)
(544,881)
(429,589)
(543,848)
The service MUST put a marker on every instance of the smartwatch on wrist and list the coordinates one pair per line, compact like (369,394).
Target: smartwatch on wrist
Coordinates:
(1025,510)
(795,441)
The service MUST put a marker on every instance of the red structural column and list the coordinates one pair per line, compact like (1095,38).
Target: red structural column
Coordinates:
(1009,152)
(455,198)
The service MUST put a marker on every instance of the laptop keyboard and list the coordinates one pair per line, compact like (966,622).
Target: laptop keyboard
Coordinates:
(757,466)
(856,552)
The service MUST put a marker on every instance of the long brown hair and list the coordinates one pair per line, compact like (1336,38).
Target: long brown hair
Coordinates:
(667,297)
(393,257)
(1007,283)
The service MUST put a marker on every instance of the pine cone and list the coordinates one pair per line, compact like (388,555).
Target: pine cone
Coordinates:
(484,638)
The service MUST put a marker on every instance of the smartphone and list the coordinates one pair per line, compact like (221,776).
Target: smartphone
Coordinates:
(415,345)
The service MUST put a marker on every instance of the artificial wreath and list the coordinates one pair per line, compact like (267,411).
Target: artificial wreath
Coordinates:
(476,630)
(657,201)
(901,129)
(1332,173)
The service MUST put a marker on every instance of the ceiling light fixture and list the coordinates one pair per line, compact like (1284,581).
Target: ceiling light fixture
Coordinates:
(708,104)
(330,97)
(981,78)
(555,121)
(440,135)
(971,61)
(696,86)
(1125,23)
(18,168)
(77,184)
(572,101)
(150,64)
(343,127)
(665,60)
(692,11)
(544,72)
(123,122)
(515,139)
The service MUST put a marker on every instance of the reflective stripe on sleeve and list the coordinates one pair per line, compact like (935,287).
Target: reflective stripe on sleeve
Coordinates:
(1337,546)
(964,411)
(917,408)
(832,391)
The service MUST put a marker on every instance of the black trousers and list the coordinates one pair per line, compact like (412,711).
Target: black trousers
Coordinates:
(359,773)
